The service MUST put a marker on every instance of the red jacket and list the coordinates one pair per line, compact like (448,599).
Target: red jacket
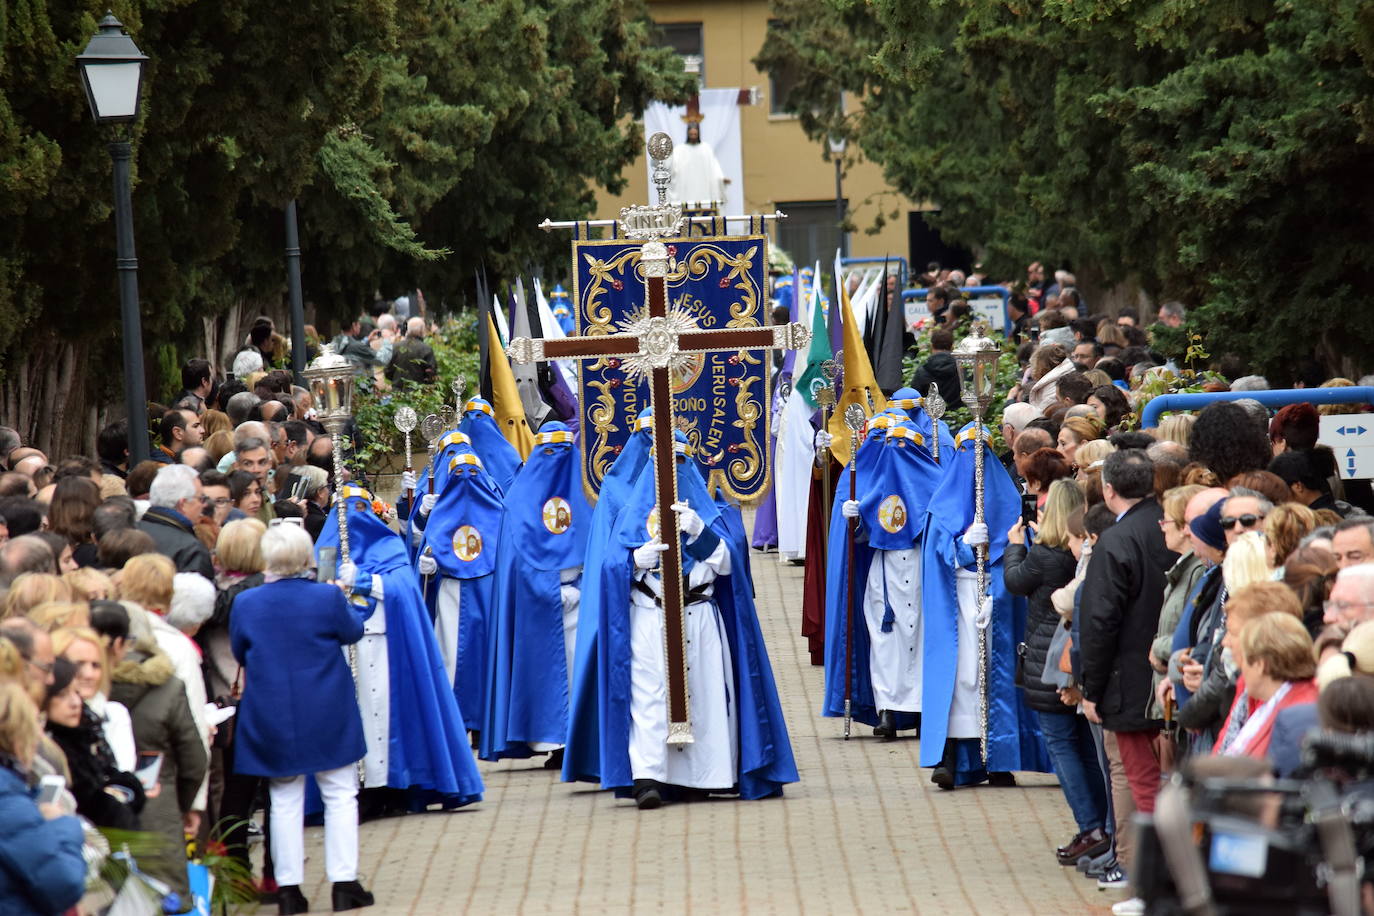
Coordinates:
(1301,692)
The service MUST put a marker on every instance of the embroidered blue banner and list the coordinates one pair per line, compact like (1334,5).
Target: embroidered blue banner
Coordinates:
(718,398)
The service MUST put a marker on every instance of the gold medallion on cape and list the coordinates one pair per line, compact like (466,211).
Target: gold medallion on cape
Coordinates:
(467,543)
(892,514)
(557,515)
(651,524)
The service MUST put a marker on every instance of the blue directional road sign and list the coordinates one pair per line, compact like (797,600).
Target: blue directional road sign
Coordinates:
(1351,437)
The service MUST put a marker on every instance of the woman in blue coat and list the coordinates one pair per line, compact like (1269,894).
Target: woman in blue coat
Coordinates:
(299,712)
(41,868)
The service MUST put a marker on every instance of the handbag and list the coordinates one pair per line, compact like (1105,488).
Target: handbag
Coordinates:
(1058,672)
(224,732)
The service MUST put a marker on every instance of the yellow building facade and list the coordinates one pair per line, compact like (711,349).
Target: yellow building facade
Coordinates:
(782,168)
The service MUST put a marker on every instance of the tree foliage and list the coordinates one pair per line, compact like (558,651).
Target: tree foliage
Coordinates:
(1216,152)
(422,140)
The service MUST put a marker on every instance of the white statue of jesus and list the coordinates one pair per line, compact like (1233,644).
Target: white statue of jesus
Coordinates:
(695,174)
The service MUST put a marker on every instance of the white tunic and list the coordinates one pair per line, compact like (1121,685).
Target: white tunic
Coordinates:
(710,762)
(572,599)
(894,658)
(446,615)
(963,709)
(374,691)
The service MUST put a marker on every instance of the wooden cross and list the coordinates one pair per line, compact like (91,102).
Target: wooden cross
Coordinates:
(652,343)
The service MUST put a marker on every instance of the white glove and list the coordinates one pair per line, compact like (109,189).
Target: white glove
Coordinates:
(984,617)
(348,575)
(823,439)
(427,565)
(646,556)
(850,508)
(407,480)
(427,503)
(679,448)
(687,520)
(976,535)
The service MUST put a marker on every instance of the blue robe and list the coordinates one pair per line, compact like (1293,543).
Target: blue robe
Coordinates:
(897,467)
(498,456)
(765,751)
(427,746)
(529,689)
(470,500)
(581,756)
(1014,740)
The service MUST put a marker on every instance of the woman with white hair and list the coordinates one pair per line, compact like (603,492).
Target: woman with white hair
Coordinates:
(299,713)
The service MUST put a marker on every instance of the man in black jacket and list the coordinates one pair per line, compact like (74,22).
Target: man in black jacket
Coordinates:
(177,502)
(1122,592)
(413,359)
(939,368)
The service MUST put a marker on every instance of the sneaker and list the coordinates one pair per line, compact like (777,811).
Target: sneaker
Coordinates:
(1112,879)
(1132,907)
(1094,868)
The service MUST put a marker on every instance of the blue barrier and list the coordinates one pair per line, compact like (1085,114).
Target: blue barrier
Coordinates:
(970,292)
(1149,417)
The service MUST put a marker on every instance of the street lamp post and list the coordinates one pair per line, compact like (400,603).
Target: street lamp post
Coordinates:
(111,70)
(837,147)
(293,286)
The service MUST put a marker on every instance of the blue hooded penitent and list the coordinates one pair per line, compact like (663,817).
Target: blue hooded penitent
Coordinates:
(1014,741)
(463,532)
(498,456)
(910,402)
(545,532)
(901,468)
(562,311)
(427,744)
(765,752)
(448,447)
(581,760)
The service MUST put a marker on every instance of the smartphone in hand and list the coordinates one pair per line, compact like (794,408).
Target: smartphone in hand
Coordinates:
(1029,512)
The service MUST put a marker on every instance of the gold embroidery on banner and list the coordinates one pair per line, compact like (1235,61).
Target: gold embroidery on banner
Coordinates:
(594,317)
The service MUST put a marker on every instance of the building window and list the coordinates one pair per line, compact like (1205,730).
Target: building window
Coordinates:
(686,39)
(811,231)
(780,83)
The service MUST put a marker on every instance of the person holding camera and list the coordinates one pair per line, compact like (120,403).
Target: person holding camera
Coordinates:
(1036,572)
(298,714)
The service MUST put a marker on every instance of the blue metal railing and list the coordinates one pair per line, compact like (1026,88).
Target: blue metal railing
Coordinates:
(1150,416)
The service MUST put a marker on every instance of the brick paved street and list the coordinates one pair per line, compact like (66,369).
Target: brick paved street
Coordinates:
(537,845)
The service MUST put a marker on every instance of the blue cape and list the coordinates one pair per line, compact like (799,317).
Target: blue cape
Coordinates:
(545,531)
(1014,740)
(765,751)
(581,757)
(463,532)
(498,456)
(428,746)
(903,469)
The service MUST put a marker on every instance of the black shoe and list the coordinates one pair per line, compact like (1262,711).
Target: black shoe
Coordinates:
(1002,780)
(887,725)
(349,895)
(290,900)
(647,795)
(943,776)
(555,761)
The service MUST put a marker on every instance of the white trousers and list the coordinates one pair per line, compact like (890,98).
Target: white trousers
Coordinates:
(571,596)
(339,788)
(894,657)
(964,707)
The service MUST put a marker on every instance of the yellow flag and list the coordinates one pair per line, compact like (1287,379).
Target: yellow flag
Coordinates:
(505,399)
(860,387)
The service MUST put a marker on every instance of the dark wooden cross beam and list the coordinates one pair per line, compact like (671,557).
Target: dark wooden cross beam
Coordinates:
(648,347)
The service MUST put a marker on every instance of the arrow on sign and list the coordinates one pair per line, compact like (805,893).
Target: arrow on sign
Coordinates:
(1351,430)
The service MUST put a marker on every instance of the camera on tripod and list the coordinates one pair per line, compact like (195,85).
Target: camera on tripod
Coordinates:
(1226,837)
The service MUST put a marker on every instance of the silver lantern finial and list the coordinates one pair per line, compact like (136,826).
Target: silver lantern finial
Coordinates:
(660,151)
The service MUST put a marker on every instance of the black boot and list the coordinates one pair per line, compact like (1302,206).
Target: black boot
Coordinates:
(943,776)
(290,900)
(647,795)
(349,895)
(887,725)
(555,761)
